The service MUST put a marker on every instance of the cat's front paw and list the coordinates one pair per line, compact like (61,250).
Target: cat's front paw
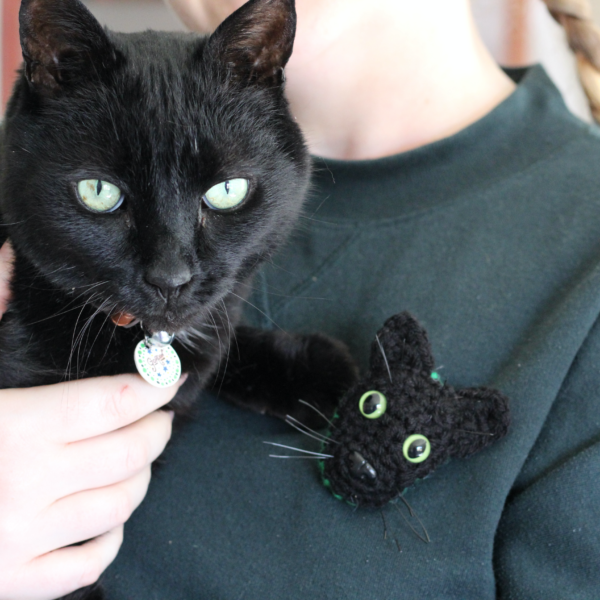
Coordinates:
(281,374)
(323,371)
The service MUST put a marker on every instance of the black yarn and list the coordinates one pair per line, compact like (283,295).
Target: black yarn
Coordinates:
(456,422)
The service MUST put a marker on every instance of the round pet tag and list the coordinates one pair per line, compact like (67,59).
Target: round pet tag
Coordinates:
(158,365)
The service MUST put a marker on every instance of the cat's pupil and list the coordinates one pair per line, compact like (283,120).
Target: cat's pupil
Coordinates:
(98,187)
(227,187)
(417,448)
(371,404)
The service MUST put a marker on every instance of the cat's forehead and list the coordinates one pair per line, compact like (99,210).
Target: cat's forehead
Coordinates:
(169,116)
(165,76)
(158,69)
(158,53)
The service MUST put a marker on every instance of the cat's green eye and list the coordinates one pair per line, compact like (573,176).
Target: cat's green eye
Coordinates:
(372,404)
(226,195)
(99,196)
(416,448)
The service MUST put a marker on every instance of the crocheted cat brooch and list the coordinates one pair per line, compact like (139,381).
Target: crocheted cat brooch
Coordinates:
(401,421)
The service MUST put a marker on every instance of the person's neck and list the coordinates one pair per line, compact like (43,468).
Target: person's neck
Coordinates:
(389,78)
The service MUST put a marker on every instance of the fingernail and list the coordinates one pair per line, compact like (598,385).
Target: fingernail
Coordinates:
(182,379)
(171,414)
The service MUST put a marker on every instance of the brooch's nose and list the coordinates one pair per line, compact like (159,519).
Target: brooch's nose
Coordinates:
(360,467)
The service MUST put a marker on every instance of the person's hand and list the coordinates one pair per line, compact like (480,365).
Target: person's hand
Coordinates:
(6,266)
(74,464)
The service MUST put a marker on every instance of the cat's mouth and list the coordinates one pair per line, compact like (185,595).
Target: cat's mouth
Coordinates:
(127,320)
(124,319)
(153,323)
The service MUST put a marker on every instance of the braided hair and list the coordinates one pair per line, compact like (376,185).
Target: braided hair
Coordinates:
(583,35)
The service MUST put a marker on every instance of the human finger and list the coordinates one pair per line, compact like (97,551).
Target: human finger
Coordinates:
(76,410)
(6,269)
(115,456)
(65,570)
(86,515)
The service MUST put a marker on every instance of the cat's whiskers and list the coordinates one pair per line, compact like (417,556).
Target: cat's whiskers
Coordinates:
(58,314)
(15,222)
(387,364)
(75,338)
(223,318)
(231,337)
(218,335)
(107,316)
(318,412)
(475,432)
(425,537)
(66,309)
(83,336)
(112,335)
(230,327)
(87,288)
(315,454)
(320,221)
(320,205)
(302,428)
(288,456)
(90,286)
(385,531)
(186,337)
(256,308)
(61,269)
(276,294)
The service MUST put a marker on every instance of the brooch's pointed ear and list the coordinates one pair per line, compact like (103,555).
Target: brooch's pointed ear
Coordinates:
(401,343)
(255,42)
(480,416)
(62,43)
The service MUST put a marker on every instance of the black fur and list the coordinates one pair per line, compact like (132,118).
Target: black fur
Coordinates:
(164,117)
(270,370)
(457,423)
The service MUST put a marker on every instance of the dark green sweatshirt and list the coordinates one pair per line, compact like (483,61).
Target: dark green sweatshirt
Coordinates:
(491,238)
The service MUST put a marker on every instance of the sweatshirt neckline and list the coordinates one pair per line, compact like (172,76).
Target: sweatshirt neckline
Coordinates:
(530,123)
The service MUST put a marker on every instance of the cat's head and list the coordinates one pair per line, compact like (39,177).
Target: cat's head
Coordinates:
(401,422)
(165,166)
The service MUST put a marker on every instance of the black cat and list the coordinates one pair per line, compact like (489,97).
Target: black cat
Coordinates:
(145,177)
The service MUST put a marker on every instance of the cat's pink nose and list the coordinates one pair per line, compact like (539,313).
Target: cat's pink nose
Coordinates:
(168,283)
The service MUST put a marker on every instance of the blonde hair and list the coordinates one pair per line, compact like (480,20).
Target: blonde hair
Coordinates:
(583,36)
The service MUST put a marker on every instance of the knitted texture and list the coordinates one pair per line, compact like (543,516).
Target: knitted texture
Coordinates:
(372,462)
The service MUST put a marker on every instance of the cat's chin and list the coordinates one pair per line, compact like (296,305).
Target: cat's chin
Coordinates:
(169,321)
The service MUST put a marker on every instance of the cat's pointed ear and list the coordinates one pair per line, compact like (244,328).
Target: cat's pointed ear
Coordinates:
(401,343)
(479,417)
(62,42)
(255,42)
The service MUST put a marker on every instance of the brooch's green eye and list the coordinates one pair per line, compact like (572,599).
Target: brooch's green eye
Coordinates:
(228,194)
(416,448)
(372,404)
(436,376)
(99,196)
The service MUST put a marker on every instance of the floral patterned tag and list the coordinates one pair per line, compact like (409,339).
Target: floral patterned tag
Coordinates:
(158,365)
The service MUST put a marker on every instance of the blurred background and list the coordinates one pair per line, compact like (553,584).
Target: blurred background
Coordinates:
(518,33)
